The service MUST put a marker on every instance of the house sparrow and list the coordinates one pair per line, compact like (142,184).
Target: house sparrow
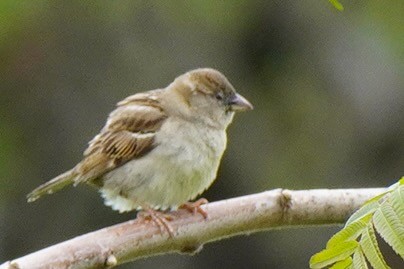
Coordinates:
(158,149)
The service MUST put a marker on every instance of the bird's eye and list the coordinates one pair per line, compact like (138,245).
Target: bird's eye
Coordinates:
(219,96)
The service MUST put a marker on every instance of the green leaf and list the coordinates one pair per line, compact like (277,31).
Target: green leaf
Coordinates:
(337,4)
(371,249)
(350,232)
(344,264)
(389,226)
(385,212)
(397,202)
(359,261)
(334,254)
(367,208)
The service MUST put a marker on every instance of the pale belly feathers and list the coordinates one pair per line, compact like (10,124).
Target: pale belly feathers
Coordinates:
(182,165)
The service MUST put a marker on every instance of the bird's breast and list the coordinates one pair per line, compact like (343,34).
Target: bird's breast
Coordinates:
(192,149)
(182,165)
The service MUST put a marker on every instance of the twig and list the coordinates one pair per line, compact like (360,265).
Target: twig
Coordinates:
(137,239)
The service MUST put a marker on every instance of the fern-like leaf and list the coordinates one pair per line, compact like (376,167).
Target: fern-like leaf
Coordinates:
(344,264)
(371,248)
(389,226)
(359,261)
(368,208)
(385,213)
(350,232)
(334,254)
(397,202)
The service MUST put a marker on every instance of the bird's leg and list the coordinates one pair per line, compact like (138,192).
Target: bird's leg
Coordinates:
(195,207)
(159,218)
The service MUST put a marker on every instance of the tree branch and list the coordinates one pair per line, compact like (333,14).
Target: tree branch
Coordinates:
(136,239)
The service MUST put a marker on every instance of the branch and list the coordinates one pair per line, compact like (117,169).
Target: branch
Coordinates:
(137,239)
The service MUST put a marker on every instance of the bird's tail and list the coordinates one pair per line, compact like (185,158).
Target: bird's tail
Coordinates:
(53,185)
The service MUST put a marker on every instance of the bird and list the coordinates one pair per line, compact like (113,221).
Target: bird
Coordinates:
(159,149)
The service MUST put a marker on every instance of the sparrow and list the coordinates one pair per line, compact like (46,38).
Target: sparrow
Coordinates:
(159,149)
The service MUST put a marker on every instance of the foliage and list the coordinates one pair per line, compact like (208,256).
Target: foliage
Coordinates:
(356,242)
(337,4)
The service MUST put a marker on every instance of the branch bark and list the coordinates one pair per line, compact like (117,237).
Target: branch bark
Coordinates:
(136,239)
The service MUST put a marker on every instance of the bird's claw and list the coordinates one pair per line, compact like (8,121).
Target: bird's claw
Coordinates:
(161,219)
(195,207)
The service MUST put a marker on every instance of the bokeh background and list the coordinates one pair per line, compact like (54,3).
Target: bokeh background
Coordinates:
(327,86)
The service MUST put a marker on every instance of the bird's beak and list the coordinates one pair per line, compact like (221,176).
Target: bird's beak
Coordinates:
(239,103)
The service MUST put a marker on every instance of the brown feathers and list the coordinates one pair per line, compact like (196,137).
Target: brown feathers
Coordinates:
(159,148)
(128,134)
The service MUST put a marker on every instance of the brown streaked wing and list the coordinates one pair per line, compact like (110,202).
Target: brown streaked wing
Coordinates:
(126,145)
(149,98)
(128,134)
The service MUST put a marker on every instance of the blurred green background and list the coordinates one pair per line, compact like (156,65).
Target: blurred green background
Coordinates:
(327,86)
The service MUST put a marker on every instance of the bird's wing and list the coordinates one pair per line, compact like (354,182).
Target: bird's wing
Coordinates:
(128,134)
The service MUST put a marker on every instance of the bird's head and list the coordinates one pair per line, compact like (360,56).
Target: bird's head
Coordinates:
(208,96)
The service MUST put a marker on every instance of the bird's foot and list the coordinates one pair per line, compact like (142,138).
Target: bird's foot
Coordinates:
(195,207)
(161,219)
